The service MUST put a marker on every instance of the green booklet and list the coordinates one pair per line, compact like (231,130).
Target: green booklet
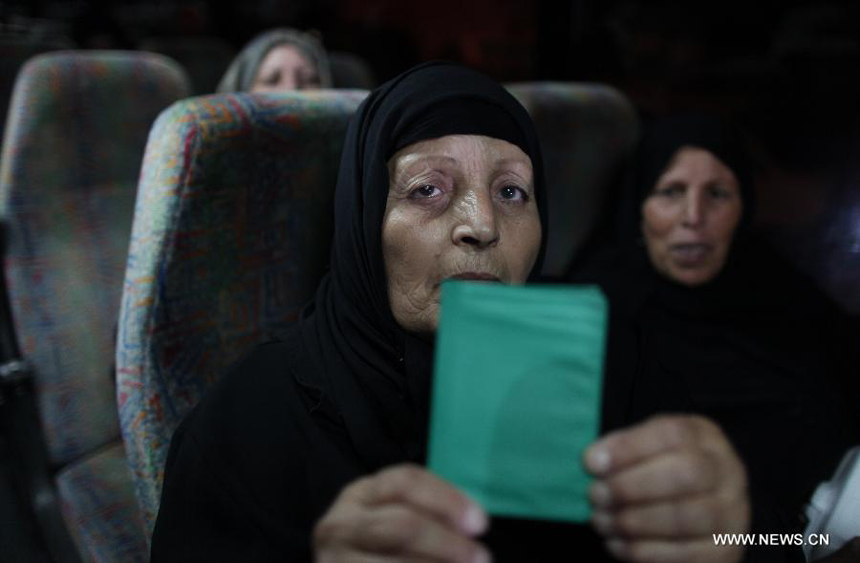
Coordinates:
(517,394)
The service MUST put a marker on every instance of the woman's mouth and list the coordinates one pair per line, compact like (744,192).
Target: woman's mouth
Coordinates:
(475,276)
(690,254)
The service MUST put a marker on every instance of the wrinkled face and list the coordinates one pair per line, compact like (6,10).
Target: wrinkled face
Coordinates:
(690,217)
(285,68)
(460,206)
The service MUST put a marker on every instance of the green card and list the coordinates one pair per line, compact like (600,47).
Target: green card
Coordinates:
(516,395)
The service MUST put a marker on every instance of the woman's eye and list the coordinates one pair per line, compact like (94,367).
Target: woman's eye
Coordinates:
(425,191)
(306,81)
(670,191)
(273,79)
(513,193)
(718,192)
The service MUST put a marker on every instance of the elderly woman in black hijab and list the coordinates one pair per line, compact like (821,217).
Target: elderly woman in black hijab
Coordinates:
(706,319)
(312,446)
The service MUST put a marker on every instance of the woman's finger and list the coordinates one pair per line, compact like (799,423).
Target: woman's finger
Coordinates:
(659,479)
(398,531)
(427,493)
(402,511)
(685,518)
(655,436)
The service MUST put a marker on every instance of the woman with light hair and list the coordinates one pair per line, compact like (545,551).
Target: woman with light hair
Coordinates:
(279,60)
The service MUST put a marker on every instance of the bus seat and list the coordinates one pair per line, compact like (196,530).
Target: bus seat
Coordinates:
(586,131)
(71,156)
(231,235)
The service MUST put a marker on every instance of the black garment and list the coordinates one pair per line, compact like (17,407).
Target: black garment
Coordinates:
(265,454)
(254,465)
(758,349)
(767,374)
(346,392)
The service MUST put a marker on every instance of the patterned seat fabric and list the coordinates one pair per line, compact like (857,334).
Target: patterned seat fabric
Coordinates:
(13,55)
(99,504)
(586,132)
(71,158)
(231,234)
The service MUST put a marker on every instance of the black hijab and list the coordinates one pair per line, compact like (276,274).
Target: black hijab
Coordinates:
(751,348)
(749,282)
(376,376)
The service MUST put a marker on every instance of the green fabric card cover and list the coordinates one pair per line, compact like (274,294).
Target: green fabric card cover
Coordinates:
(516,395)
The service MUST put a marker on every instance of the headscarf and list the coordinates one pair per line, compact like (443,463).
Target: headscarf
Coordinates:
(243,70)
(376,375)
(626,250)
(750,348)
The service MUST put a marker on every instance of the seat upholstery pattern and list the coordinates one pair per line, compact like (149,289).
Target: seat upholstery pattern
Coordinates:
(231,234)
(13,54)
(98,502)
(587,132)
(77,129)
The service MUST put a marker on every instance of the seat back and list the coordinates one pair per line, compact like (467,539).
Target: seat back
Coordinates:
(204,58)
(231,234)
(586,132)
(350,71)
(14,52)
(70,162)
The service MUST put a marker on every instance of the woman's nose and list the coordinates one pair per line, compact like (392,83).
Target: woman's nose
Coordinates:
(477,225)
(694,209)
(288,82)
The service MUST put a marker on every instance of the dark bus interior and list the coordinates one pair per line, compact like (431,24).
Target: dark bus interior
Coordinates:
(787,72)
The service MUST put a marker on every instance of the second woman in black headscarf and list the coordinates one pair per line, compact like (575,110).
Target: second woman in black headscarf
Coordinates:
(748,342)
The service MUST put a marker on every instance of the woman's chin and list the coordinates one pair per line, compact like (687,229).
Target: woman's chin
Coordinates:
(691,277)
(422,326)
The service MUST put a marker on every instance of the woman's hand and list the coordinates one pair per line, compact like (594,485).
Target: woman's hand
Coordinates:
(665,487)
(402,513)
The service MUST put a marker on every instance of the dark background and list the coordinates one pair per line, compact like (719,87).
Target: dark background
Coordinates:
(787,70)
